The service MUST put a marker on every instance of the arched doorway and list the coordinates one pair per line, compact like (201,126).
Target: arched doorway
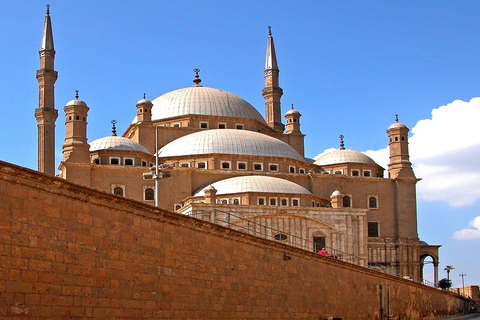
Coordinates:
(429,270)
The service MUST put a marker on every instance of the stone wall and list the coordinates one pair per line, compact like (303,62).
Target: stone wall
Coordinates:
(69,252)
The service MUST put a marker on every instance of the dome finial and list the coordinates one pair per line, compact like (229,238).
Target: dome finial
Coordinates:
(48,9)
(144,95)
(114,129)
(342,145)
(396,117)
(292,106)
(197,79)
(270,31)
(76,94)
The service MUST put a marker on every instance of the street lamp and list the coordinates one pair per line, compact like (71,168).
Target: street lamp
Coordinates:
(463,275)
(158,172)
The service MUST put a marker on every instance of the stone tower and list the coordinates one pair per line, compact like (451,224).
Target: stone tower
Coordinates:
(76,148)
(272,92)
(399,165)
(46,114)
(293,133)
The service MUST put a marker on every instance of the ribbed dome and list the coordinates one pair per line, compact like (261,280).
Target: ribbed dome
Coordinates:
(116,143)
(200,100)
(229,141)
(255,184)
(343,156)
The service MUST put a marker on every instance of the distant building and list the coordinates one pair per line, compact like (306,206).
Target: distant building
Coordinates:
(222,155)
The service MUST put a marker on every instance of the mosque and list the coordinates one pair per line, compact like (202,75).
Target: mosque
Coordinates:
(206,152)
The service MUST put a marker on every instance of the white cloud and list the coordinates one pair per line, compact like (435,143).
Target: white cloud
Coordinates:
(469,234)
(445,152)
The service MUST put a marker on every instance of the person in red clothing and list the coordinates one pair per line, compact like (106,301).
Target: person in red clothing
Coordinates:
(323,252)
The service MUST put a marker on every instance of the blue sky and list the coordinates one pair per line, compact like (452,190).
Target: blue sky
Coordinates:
(347,66)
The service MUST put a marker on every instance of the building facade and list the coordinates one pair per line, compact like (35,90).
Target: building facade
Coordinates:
(211,153)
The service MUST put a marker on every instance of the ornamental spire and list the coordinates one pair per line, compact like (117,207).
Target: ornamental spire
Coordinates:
(271,58)
(342,144)
(47,37)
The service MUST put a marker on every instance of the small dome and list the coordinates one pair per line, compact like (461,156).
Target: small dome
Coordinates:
(343,156)
(292,112)
(76,102)
(229,141)
(116,143)
(143,101)
(397,125)
(255,184)
(199,100)
(336,193)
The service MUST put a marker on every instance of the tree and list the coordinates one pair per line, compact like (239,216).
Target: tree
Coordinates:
(448,269)
(445,283)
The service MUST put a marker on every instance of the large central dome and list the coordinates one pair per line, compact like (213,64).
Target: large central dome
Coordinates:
(199,100)
(229,141)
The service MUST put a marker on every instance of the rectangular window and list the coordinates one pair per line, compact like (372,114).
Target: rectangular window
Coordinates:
(273,167)
(258,166)
(355,173)
(261,201)
(177,125)
(115,161)
(239,126)
(128,161)
(204,125)
(272,201)
(367,174)
(292,169)
(222,125)
(373,229)
(241,165)
(226,165)
(184,165)
(201,165)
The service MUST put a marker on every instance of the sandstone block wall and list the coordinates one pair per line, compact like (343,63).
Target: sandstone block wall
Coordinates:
(69,252)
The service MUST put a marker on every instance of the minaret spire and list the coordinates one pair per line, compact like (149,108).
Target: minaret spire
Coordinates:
(46,114)
(272,91)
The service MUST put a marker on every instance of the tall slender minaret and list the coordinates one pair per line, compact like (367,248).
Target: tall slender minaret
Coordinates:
(46,114)
(272,92)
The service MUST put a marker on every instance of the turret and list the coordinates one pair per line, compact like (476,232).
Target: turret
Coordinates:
(292,118)
(399,165)
(144,111)
(272,91)
(46,114)
(76,148)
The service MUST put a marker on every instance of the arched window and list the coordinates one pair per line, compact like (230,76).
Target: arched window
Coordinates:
(261,201)
(149,194)
(347,202)
(236,201)
(295,202)
(372,202)
(118,191)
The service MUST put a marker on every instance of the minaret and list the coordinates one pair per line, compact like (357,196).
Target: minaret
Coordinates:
(272,92)
(46,114)
(399,165)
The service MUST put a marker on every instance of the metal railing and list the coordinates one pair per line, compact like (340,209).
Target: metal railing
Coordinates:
(245,225)
(242,224)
